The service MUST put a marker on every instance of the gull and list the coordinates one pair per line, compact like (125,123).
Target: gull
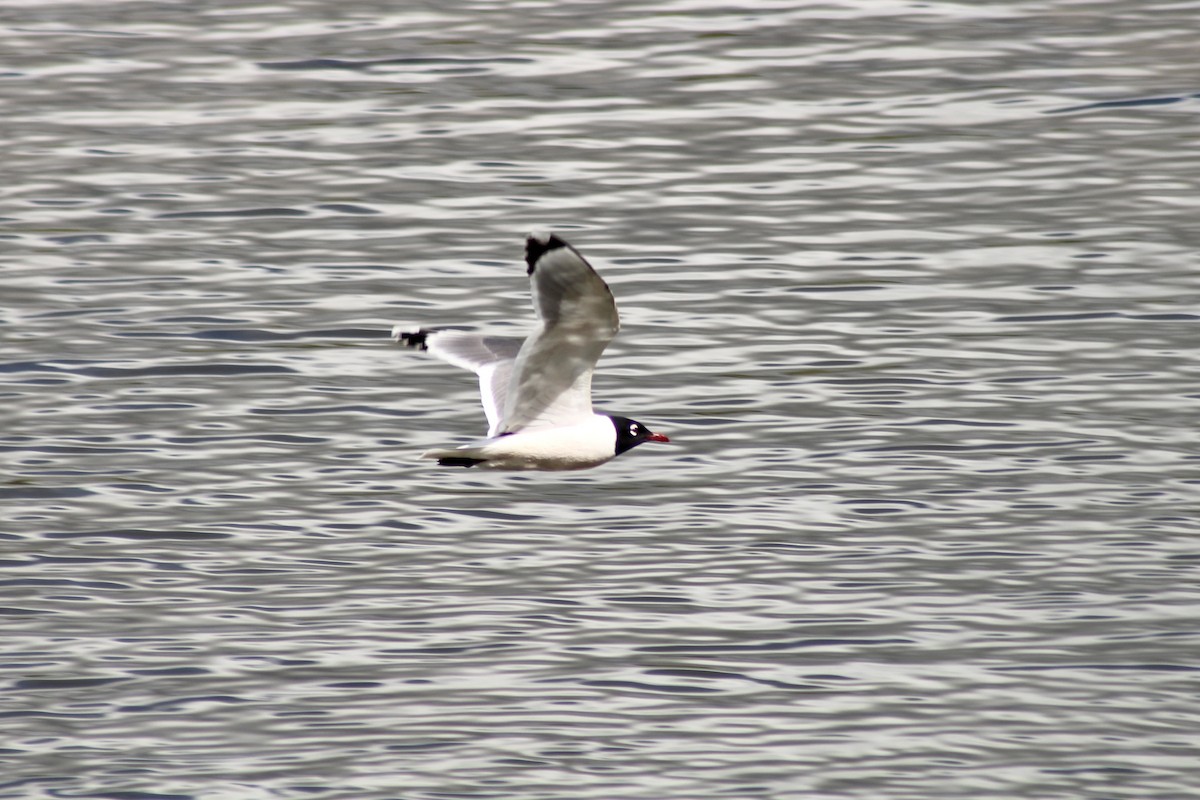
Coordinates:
(537,391)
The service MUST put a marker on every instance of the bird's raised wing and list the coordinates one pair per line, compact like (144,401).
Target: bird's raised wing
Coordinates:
(551,381)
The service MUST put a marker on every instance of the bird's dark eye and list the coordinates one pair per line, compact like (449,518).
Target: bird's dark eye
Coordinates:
(633,429)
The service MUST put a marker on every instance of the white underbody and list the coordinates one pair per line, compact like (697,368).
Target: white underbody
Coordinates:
(585,444)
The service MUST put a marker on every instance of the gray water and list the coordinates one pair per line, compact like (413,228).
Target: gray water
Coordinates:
(911,286)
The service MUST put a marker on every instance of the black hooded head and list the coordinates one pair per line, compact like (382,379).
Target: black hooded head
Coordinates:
(631,433)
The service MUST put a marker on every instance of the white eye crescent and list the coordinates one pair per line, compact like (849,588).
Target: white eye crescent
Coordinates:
(633,429)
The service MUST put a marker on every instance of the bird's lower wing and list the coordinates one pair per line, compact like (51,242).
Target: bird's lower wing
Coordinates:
(489,357)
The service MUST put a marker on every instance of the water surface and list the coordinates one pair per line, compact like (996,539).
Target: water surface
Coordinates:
(912,288)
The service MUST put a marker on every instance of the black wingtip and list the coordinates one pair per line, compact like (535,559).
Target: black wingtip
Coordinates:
(537,246)
(460,461)
(414,339)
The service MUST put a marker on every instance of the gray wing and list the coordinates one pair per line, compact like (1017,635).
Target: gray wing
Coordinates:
(489,357)
(551,381)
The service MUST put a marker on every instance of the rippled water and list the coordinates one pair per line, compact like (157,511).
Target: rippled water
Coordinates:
(912,287)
